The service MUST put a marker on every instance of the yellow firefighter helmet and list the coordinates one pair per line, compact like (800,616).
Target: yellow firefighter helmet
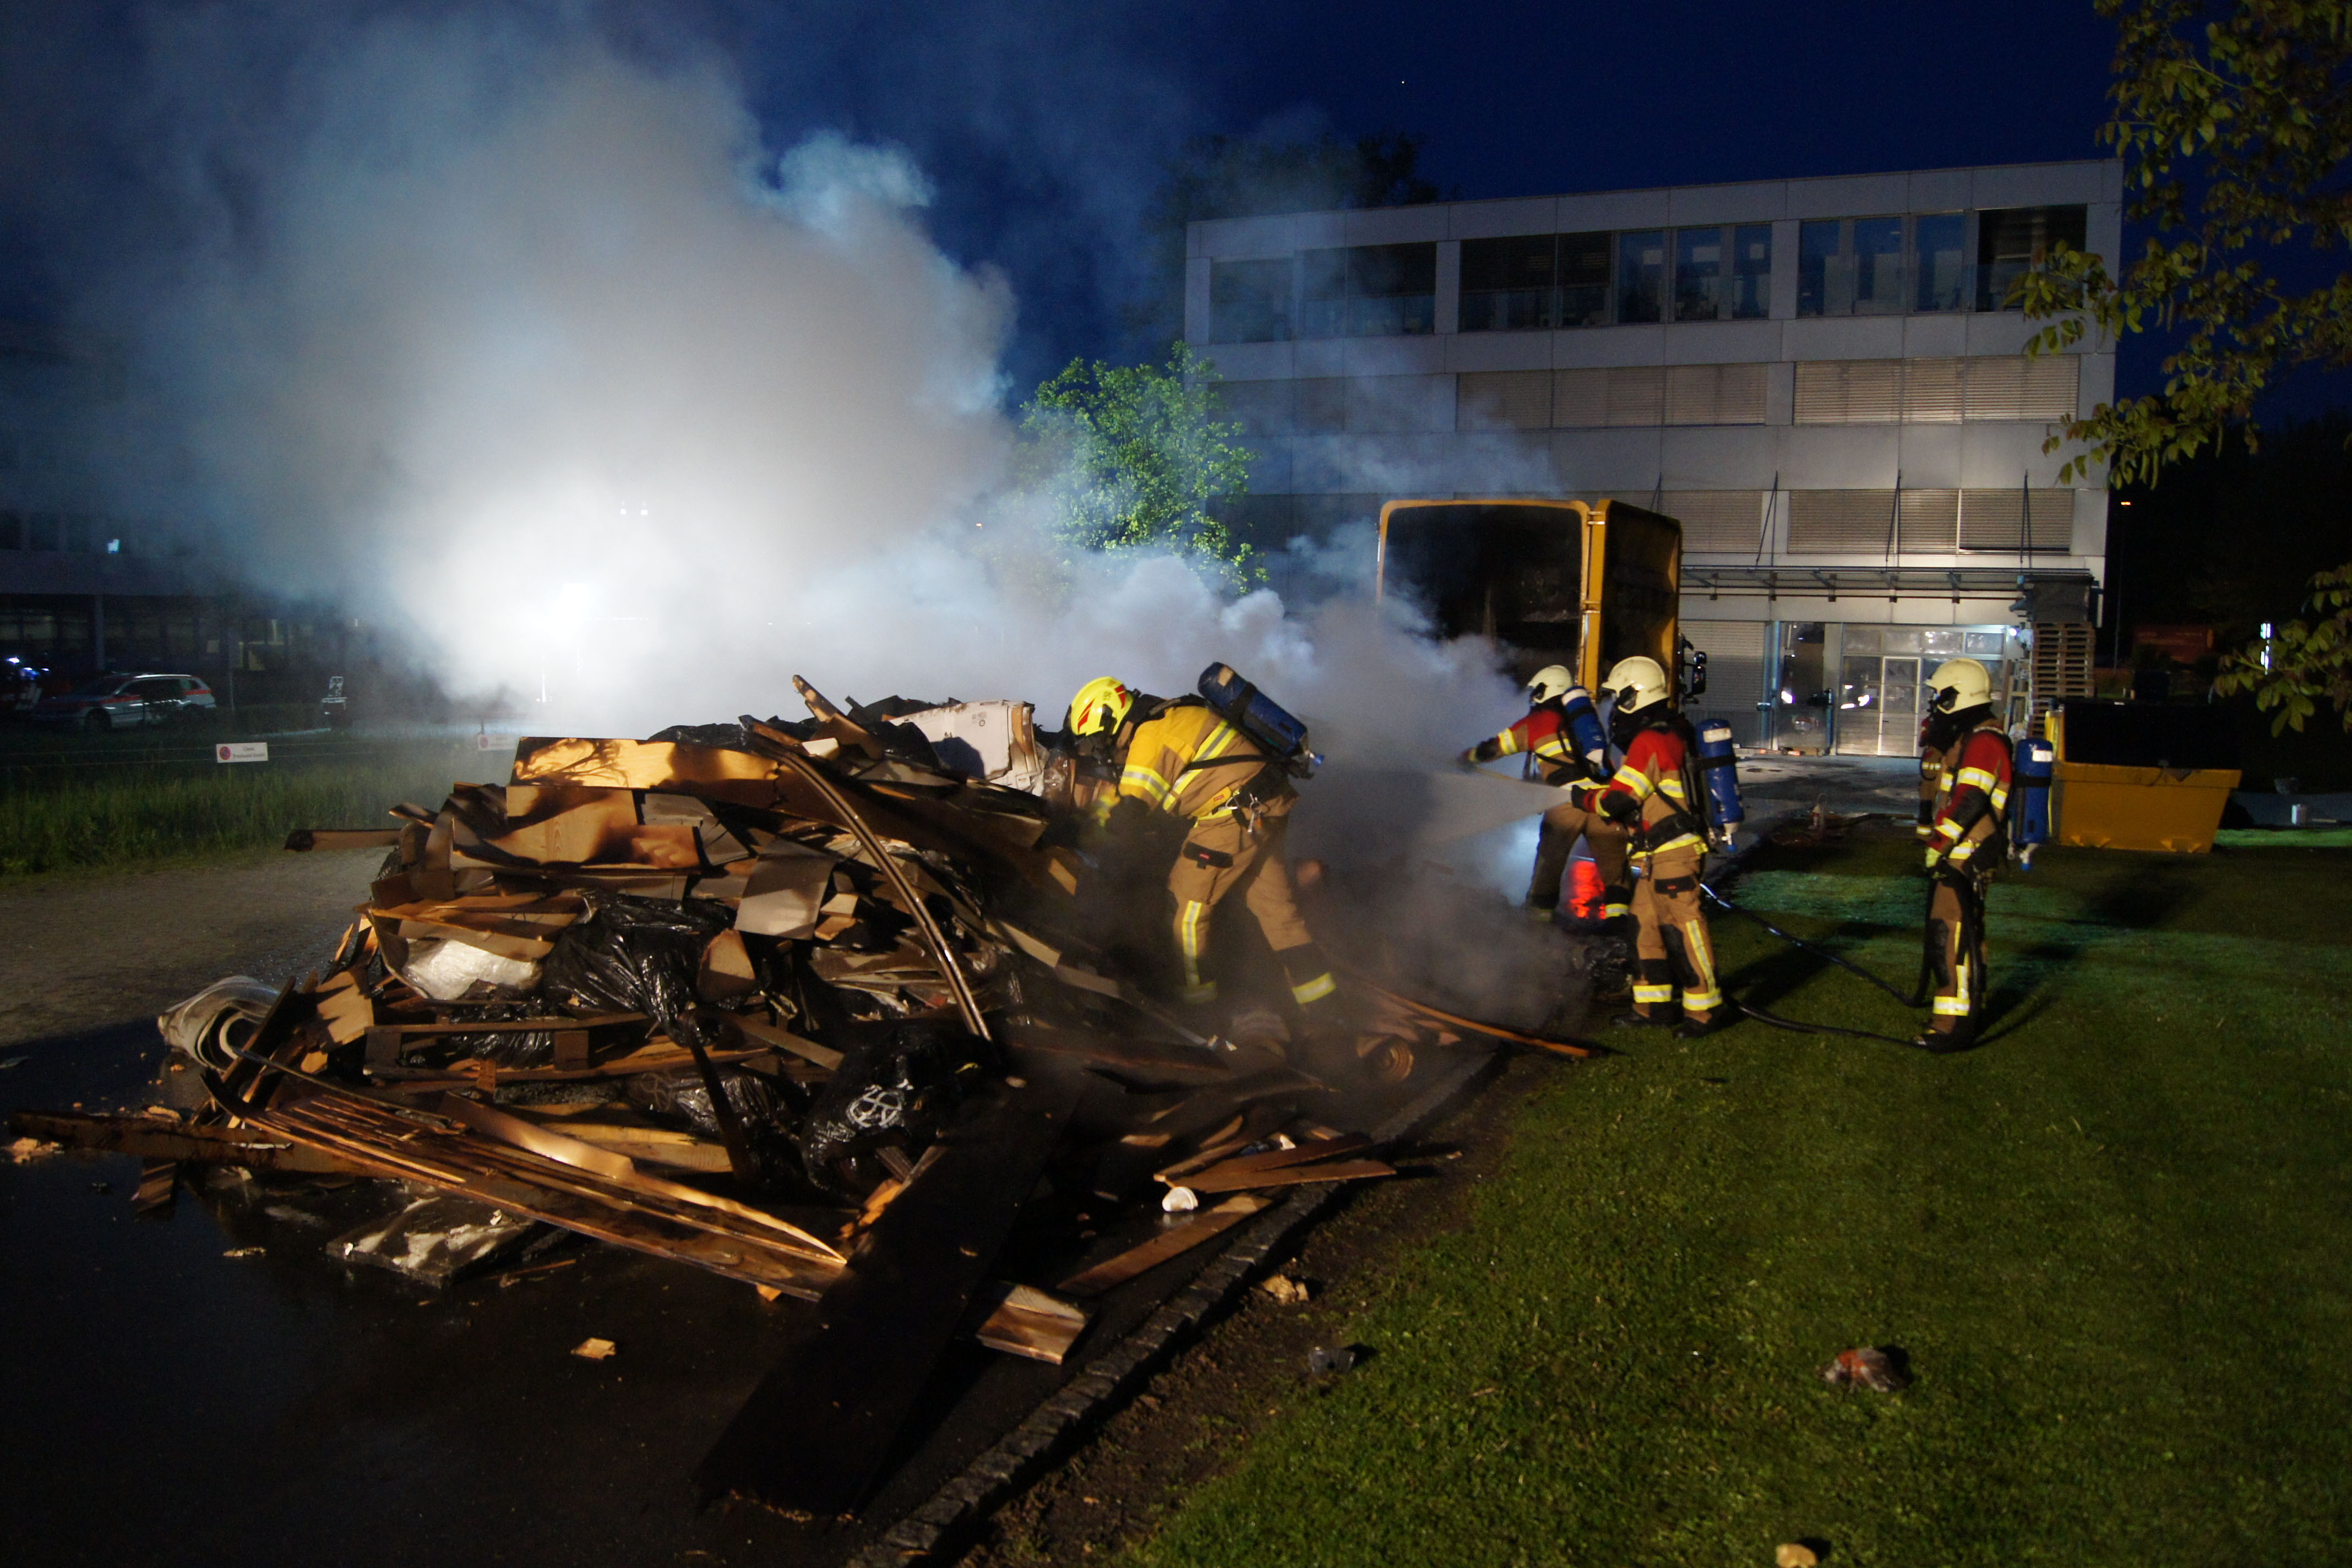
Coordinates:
(1636,683)
(1100,706)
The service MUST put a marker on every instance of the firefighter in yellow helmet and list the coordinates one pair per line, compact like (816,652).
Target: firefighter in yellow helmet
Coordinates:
(1652,793)
(1183,759)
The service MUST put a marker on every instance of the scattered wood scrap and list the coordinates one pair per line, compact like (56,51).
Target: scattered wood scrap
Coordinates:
(798,1003)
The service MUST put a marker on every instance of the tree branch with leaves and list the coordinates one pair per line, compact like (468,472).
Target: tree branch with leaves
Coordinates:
(1130,456)
(2233,118)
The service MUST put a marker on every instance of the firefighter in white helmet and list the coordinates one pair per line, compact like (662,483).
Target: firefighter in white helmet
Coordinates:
(1965,773)
(1653,794)
(1581,770)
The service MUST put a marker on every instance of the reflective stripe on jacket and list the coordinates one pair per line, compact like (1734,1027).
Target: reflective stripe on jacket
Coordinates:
(1652,777)
(1972,781)
(1543,734)
(1189,761)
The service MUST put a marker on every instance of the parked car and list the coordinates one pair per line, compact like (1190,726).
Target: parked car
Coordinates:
(121,701)
(22,683)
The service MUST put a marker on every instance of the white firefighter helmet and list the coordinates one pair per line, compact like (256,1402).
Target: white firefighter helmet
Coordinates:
(1552,682)
(1958,684)
(1636,683)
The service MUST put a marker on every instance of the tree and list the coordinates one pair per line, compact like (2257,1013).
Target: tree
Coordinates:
(2234,122)
(1130,456)
(1243,176)
(2306,662)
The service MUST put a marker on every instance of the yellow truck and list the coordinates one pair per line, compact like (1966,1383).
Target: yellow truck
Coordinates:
(1553,582)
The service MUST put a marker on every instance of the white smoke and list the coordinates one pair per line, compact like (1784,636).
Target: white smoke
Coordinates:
(534,342)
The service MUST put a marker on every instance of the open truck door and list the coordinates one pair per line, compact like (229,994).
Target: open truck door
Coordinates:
(1553,582)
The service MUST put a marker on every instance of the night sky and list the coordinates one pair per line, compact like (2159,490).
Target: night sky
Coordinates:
(1046,126)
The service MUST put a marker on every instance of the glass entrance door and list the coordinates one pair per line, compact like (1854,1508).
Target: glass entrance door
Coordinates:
(1799,703)
(1878,704)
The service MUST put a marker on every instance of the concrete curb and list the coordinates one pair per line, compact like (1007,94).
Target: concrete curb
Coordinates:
(1005,1470)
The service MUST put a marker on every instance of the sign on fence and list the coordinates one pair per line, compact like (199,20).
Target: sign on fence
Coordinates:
(242,752)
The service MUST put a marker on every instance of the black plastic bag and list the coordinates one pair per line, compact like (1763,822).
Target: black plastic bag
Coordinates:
(683,1094)
(636,956)
(899,1082)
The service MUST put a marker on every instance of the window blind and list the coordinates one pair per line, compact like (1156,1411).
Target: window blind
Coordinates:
(1839,522)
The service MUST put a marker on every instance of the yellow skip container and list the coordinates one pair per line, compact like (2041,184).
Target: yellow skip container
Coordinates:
(2105,806)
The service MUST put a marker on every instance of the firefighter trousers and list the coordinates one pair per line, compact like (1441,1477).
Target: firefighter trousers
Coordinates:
(1955,946)
(1671,949)
(1563,825)
(1225,854)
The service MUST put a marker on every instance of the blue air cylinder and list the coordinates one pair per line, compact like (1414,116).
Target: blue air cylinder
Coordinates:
(1586,731)
(1718,772)
(2029,825)
(1255,714)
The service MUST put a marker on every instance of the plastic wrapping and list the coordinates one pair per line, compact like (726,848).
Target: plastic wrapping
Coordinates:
(683,1094)
(636,956)
(899,1082)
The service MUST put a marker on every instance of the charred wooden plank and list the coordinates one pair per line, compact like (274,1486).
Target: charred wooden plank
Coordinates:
(1221,1179)
(1124,1266)
(155,1139)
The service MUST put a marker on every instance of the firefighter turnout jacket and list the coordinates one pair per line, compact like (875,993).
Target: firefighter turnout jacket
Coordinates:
(1673,950)
(1965,820)
(1188,762)
(1542,734)
(1651,792)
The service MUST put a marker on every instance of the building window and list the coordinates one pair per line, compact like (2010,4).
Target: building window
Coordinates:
(1878,251)
(1931,521)
(41,530)
(1939,261)
(1526,282)
(1249,301)
(1510,284)
(1699,275)
(1718,521)
(1260,407)
(11,530)
(1819,246)
(1643,395)
(1367,291)
(2012,241)
(1940,391)
(1584,279)
(1642,276)
(1503,400)
(1751,271)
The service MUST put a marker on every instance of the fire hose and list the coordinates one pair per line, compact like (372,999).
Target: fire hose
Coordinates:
(1916,998)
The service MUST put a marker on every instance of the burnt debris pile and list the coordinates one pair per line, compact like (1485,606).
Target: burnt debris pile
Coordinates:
(822,1007)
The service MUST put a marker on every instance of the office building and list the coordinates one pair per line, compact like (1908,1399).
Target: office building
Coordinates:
(1822,378)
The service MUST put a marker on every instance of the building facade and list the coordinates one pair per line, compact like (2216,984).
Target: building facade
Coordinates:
(1821,378)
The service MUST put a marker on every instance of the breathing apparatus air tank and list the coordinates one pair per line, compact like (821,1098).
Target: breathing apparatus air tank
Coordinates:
(2030,815)
(1255,714)
(1586,731)
(1718,770)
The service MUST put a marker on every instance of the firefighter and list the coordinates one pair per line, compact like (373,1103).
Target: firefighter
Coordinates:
(1964,782)
(1181,758)
(1652,793)
(1545,735)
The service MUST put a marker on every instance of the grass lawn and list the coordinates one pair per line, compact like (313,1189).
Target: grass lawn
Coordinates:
(108,805)
(2114,1241)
